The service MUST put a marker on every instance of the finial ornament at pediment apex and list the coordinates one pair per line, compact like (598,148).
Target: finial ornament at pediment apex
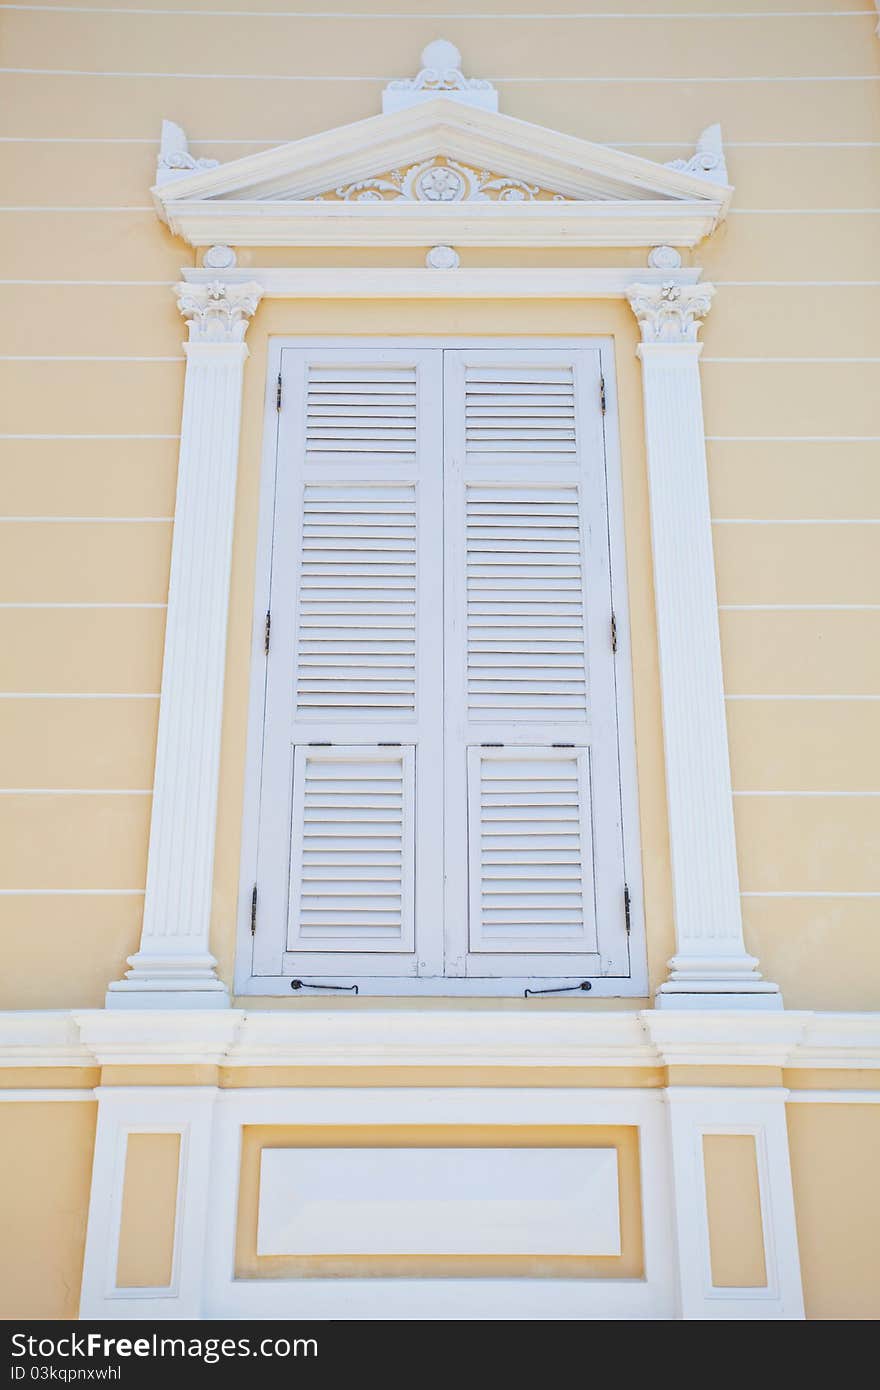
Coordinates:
(670,313)
(175,160)
(707,162)
(218,313)
(440,75)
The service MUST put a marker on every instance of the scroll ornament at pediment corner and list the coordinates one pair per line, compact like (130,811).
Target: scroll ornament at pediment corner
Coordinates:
(441,180)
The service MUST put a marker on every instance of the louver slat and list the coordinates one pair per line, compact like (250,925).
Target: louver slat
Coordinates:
(356,631)
(530,851)
(361,415)
(526,642)
(526,414)
(352,860)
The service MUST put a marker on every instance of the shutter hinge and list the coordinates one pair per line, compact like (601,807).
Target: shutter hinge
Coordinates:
(268,636)
(278,393)
(627,908)
(254,911)
(613,633)
(601,393)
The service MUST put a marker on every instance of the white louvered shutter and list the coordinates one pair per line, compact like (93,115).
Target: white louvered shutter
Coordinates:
(354,690)
(352,870)
(531,742)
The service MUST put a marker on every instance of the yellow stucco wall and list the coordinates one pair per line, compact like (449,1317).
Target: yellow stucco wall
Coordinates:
(834,1152)
(45,1177)
(92,374)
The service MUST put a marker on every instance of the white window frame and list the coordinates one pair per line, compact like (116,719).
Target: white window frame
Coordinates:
(635,984)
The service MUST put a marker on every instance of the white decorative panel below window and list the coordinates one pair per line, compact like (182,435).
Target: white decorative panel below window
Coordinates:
(415,1201)
(352,855)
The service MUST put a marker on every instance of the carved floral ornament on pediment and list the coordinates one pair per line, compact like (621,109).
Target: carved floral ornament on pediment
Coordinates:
(441,180)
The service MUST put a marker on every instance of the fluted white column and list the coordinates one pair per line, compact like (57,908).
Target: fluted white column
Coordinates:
(174,967)
(710,967)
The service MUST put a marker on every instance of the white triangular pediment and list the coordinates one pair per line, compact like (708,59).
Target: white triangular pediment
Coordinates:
(440,152)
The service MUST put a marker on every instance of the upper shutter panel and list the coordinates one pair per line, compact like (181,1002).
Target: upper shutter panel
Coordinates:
(526,639)
(361,414)
(525,413)
(356,630)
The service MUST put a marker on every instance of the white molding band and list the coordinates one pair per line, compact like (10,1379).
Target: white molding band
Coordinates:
(456,1036)
(710,966)
(174,967)
(490,282)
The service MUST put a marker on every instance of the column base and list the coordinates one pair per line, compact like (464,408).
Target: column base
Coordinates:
(706,982)
(168,982)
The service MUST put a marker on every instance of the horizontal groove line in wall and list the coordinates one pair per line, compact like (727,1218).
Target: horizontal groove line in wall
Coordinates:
(76,791)
(802,697)
(77,695)
(99,520)
(70,357)
(89,436)
(796,607)
(84,605)
(71,892)
(796,284)
(811,893)
(810,794)
(492,77)
(790,361)
(792,438)
(796,521)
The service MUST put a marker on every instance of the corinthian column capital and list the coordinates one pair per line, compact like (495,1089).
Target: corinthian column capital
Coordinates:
(218,313)
(670,313)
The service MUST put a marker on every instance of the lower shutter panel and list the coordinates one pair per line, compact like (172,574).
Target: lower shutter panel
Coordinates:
(352,853)
(530,850)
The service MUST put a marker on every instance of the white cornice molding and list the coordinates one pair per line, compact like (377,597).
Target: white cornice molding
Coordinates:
(276,282)
(610,223)
(440,1037)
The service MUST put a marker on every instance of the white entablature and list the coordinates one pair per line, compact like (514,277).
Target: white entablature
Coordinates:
(440,165)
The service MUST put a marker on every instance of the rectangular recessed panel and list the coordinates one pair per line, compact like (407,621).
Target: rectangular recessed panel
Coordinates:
(363,414)
(530,850)
(525,413)
(439,1201)
(352,854)
(356,628)
(526,638)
